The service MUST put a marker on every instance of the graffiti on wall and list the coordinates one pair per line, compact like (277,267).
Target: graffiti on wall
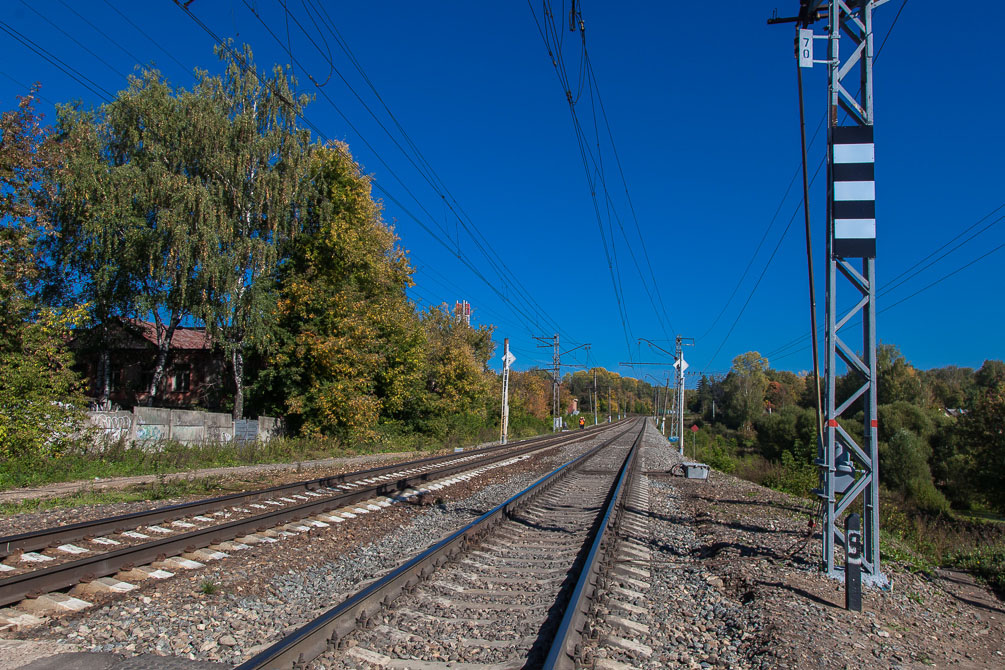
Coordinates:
(112,427)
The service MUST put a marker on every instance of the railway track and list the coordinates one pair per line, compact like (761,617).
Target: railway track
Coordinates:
(38,564)
(515,588)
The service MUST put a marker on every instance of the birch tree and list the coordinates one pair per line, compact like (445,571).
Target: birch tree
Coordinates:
(256,169)
(136,211)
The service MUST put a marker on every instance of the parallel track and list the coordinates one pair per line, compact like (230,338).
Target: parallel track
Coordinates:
(515,584)
(284,504)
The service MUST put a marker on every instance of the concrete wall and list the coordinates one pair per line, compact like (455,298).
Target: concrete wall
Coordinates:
(148,426)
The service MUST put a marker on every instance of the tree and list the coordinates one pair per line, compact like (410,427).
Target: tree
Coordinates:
(39,392)
(904,468)
(530,393)
(255,164)
(898,379)
(745,387)
(349,348)
(28,155)
(950,387)
(990,375)
(784,389)
(96,254)
(982,430)
(456,364)
(135,204)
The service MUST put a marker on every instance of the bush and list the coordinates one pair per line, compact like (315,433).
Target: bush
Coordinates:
(719,454)
(40,397)
(792,476)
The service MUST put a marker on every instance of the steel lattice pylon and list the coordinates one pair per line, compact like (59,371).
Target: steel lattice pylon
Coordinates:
(849,470)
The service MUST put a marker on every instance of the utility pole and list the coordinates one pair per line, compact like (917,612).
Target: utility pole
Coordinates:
(666,404)
(594,396)
(609,412)
(680,365)
(848,471)
(556,377)
(508,360)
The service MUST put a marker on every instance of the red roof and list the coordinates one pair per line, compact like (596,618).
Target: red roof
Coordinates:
(183,338)
(136,334)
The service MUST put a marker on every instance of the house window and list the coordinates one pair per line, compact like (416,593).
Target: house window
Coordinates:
(181,381)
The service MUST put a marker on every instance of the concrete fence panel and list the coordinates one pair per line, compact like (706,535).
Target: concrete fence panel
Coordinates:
(148,426)
(112,426)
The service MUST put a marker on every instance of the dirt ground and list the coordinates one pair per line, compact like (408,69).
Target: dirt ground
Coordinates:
(756,540)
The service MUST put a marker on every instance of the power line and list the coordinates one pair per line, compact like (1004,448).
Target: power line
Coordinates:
(239,59)
(822,161)
(151,40)
(115,43)
(504,273)
(72,38)
(550,35)
(779,352)
(59,63)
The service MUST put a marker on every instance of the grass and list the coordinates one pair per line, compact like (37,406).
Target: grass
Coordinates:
(115,460)
(208,588)
(162,490)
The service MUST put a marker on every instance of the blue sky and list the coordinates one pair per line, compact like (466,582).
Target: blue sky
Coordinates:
(701,102)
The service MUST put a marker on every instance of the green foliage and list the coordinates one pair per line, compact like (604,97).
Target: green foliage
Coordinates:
(791,429)
(898,380)
(348,347)
(716,452)
(135,216)
(988,563)
(456,369)
(745,387)
(991,375)
(793,476)
(949,387)
(904,468)
(983,439)
(208,587)
(256,168)
(40,397)
(39,392)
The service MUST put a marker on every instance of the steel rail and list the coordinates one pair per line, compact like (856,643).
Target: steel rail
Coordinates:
(564,651)
(325,632)
(55,536)
(18,587)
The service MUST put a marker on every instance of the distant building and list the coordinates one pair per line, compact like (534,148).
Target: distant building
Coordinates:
(574,406)
(193,376)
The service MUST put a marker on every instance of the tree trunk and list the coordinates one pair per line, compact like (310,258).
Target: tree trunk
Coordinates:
(104,377)
(163,349)
(237,358)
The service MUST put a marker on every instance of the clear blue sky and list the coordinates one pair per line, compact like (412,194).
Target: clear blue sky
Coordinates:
(701,101)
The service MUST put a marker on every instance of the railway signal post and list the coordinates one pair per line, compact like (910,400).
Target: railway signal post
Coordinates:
(508,360)
(849,477)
